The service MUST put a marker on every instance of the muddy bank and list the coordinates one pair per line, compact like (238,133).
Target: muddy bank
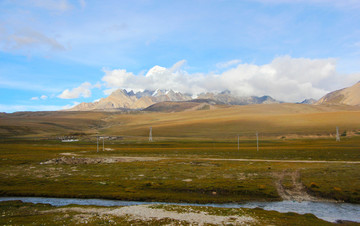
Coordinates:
(289,187)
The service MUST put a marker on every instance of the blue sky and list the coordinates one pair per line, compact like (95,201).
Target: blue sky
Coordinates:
(56,53)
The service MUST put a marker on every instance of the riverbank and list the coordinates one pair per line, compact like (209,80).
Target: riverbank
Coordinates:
(331,212)
(17,212)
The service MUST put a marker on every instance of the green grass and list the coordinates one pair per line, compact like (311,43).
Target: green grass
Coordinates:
(304,149)
(341,182)
(146,181)
(211,181)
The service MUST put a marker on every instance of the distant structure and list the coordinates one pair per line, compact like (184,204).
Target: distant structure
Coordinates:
(150,135)
(97,143)
(337,134)
(257,141)
(70,140)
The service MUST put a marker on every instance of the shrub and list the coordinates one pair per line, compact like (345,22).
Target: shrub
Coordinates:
(314,185)
(337,189)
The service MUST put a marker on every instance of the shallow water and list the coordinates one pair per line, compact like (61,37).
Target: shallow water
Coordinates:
(323,210)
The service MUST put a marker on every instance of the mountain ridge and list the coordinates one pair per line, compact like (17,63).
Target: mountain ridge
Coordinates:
(122,99)
(346,96)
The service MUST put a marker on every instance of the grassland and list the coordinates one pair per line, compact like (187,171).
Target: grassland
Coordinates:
(194,156)
(183,171)
(271,121)
(224,123)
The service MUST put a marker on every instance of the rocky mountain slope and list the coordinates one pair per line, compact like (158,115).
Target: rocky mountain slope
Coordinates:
(122,100)
(346,96)
(308,101)
(226,97)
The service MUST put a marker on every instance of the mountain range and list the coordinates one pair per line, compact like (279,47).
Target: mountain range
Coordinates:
(163,100)
(124,100)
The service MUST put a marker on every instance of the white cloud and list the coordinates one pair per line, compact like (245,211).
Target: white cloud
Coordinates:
(68,106)
(178,65)
(97,85)
(14,108)
(228,64)
(52,5)
(82,3)
(156,77)
(285,78)
(43,97)
(109,91)
(84,90)
(349,4)
(26,39)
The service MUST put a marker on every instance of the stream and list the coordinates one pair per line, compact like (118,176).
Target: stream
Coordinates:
(324,210)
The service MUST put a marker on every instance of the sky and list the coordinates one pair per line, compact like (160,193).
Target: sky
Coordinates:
(55,54)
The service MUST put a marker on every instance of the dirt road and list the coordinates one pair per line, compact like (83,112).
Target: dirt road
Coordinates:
(76,159)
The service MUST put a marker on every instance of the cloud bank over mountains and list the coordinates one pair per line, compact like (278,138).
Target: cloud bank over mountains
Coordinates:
(84,90)
(285,78)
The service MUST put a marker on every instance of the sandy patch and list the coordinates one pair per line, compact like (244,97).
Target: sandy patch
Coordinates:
(187,180)
(68,154)
(73,160)
(145,213)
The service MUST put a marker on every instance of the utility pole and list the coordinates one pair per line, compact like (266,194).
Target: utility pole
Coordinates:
(337,134)
(238,142)
(257,141)
(97,143)
(150,135)
(103,144)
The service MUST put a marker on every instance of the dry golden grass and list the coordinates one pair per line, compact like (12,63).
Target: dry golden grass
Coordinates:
(224,122)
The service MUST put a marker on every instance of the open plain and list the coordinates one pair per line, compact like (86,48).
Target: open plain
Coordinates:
(200,156)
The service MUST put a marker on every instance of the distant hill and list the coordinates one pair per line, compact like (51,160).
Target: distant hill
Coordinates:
(308,101)
(124,100)
(346,96)
(178,106)
(272,120)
